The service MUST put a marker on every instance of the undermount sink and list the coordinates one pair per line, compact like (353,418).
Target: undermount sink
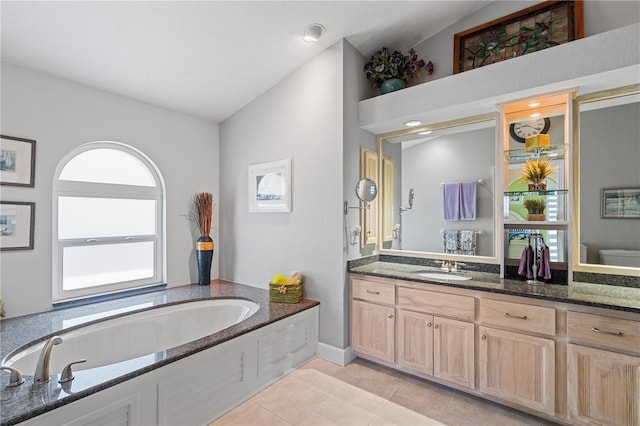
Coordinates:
(444,276)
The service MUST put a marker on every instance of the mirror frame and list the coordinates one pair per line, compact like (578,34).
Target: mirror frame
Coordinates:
(497,190)
(575,222)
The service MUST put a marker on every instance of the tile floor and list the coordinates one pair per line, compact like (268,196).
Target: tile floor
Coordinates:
(364,393)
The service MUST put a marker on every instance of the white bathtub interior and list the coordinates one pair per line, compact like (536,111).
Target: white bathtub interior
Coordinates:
(138,334)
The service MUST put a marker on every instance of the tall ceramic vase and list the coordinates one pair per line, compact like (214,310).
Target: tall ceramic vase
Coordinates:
(204,250)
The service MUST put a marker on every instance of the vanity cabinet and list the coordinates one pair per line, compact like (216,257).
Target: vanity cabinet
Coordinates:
(603,383)
(436,334)
(373,321)
(573,363)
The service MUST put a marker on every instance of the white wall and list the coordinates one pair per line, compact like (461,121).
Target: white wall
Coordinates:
(61,115)
(299,118)
(599,16)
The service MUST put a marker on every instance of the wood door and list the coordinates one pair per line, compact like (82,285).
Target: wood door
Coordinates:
(415,341)
(373,330)
(518,368)
(369,169)
(603,387)
(454,353)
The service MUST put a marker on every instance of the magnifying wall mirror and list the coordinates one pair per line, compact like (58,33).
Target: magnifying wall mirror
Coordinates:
(607,204)
(424,161)
(366,190)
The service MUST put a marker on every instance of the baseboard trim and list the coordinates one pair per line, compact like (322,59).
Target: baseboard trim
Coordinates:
(335,355)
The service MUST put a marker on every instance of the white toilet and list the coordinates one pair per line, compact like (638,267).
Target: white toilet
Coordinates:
(620,257)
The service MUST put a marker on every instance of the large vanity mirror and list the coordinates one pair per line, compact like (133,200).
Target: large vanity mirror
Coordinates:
(607,182)
(438,190)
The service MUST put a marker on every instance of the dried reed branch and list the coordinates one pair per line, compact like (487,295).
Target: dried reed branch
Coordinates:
(203,209)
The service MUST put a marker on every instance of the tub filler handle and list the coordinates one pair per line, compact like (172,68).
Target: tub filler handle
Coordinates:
(42,367)
(67,374)
(15,379)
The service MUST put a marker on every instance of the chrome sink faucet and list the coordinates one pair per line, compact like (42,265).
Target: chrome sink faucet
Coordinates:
(42,367)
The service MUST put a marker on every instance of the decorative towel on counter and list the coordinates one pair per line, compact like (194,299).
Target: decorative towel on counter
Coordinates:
(468,242)
(545,264)
(451,200)
(468,203)
(526,263)
(450,240)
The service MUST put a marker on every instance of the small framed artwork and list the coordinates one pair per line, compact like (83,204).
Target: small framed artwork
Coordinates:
(620,203)
(17,220)
(538,27)
(17,161)
(270,186)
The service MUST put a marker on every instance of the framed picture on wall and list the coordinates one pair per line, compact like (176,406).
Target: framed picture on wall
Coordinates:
(270,187)
(620,203)
(17,161)
(17,220)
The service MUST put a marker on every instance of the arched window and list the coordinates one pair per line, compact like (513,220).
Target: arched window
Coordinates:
(108,214)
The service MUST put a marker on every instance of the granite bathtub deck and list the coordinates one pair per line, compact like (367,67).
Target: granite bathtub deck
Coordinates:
(604,296)
(26,401)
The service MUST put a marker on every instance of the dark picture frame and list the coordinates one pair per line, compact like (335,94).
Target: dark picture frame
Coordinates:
(535,28)
(17,161)
(620,203)
(17,224)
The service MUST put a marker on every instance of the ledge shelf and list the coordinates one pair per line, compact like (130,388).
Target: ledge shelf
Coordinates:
(551,152)
(540,224)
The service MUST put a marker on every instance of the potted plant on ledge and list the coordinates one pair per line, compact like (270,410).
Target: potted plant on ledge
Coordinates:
(536,173)
(392,70)
(535,208)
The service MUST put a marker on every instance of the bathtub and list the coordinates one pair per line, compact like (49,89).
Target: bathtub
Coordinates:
(135,335)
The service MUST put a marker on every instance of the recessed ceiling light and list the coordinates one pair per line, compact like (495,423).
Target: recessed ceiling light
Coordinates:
(426,132)
(534,104)
(312,33)
(413,123)
(535,115)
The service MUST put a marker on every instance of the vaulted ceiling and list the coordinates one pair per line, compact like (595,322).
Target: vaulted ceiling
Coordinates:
(204,58)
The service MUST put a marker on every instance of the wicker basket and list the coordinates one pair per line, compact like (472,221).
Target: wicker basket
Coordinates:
(285,293)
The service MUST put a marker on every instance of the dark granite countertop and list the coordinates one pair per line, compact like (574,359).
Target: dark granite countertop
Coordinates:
(603,296)
(26,401)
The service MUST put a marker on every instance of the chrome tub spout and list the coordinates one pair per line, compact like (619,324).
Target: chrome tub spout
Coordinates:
(42,367)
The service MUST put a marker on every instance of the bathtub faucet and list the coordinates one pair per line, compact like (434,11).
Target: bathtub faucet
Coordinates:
(42,367)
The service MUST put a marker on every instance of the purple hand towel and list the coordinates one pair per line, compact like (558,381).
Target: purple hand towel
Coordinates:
(468,200)
(451,201)
(545,263)
(531,258)
(522,268)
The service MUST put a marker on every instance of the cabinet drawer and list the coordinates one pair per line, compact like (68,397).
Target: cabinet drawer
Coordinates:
(373,291)
(448,305)
(612,332)
(518,316)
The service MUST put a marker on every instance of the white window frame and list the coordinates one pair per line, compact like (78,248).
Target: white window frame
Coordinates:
(63,188)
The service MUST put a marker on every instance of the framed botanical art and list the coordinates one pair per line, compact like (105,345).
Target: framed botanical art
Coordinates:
(17,220)
(620,203)
(270,186)
(538,27)
(17,161)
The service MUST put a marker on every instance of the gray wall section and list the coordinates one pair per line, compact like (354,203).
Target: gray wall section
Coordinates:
(61,115)
(451,158)
(299,118)
(609,158)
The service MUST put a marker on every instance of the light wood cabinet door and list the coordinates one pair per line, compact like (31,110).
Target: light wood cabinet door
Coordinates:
(373,330)
(453,349)
(415,341)
(517,368)
(603,387)
(369,217)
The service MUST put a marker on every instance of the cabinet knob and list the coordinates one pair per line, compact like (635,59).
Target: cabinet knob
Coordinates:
(484,337)
(436,326)
(429,324)
(389,316)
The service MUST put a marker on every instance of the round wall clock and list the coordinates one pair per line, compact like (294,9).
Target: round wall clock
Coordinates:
(523,129)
